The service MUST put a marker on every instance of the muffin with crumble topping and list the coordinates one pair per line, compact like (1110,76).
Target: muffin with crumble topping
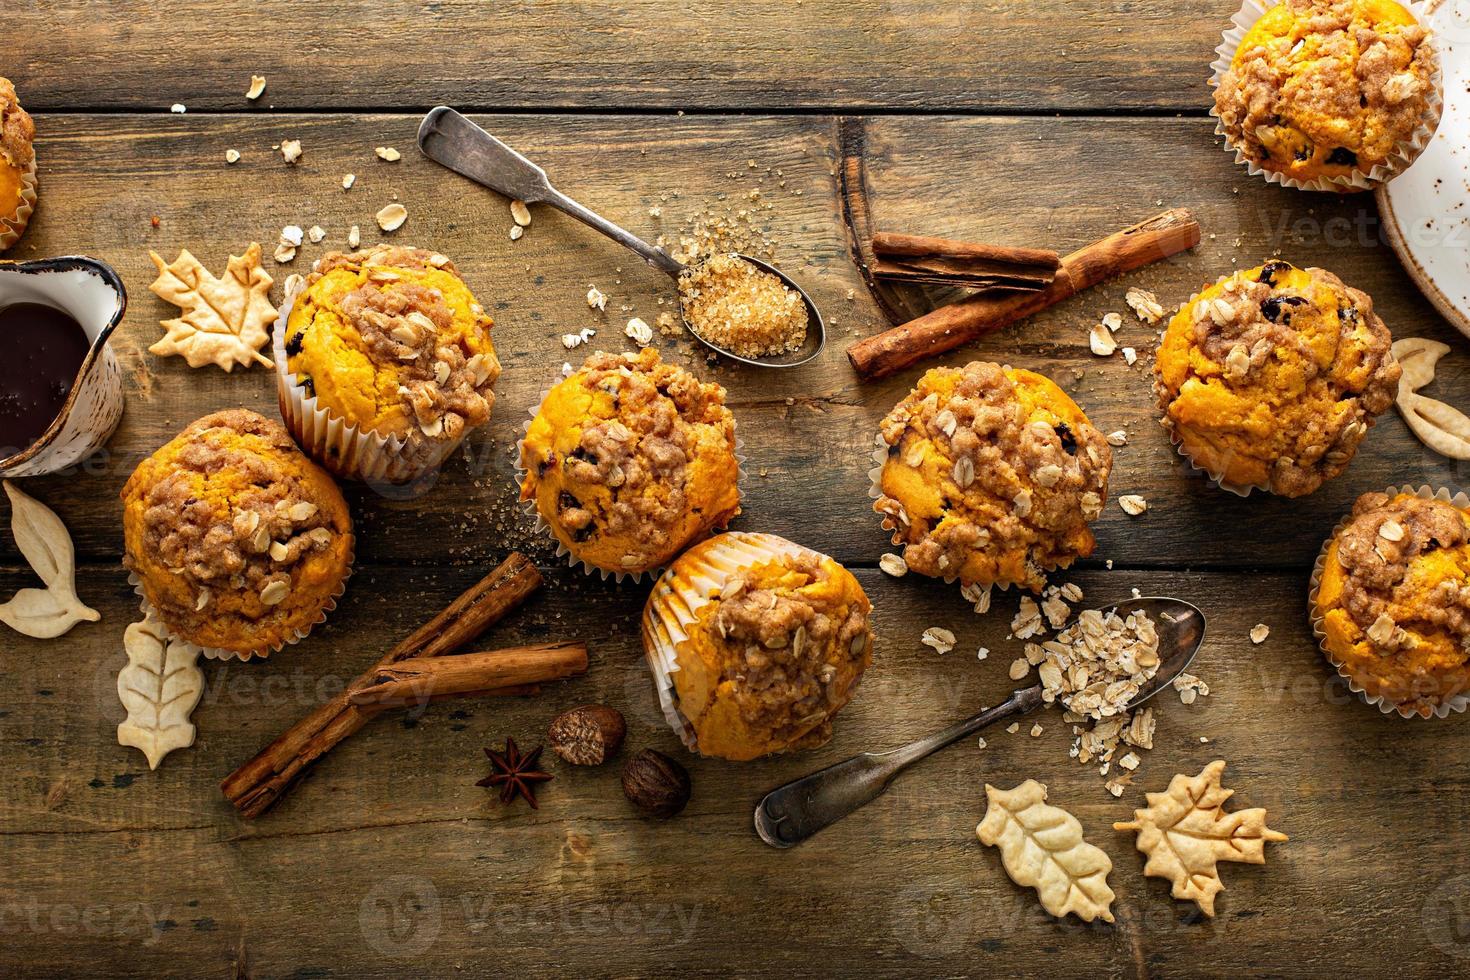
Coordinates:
(629,460)
(991,475)
(1270,378)
(384,363)
(17,166)
(1391,600)
(1331,94)
(755,643)
(238,541)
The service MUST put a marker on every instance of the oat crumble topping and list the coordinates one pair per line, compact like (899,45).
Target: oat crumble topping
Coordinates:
(17,131)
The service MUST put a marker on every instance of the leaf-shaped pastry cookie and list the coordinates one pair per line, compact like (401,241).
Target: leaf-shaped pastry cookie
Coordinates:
(43,540)
(225,321)
(160,687)
(1441,427)
(1185,831)
(1041,847)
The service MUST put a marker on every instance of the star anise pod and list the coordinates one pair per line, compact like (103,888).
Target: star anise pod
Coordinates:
(515,774)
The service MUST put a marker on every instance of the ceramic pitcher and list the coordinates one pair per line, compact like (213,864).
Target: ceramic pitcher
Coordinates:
(93,295)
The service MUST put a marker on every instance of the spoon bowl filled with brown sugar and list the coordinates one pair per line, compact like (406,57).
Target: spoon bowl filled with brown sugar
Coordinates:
(738,306)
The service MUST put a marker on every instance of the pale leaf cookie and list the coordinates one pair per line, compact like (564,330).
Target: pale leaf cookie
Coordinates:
(160,687)
(1185,831)
(1441,427)
(43,540)
(225,321)
(1041,847)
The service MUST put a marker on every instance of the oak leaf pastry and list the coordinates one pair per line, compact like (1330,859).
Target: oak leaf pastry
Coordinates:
(388,363)
(17,166)
(1328,90)
(223,321)
(629,460)
(237,541)
(1041,847)
(1392,601)
(1271,377)
(991,475)
(1186,832)
(755,643)
(1441,427)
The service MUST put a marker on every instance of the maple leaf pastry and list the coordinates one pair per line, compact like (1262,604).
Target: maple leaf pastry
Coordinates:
(1392,601)
(1329,89)
(630,460)
(17,166)
(755,643)
(1271,377)
(386,363)
(991,475)
(237,541)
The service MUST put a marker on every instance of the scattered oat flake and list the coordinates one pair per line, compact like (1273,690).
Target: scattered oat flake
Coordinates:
(1019,668)
(982,654)
(516,231)
(1130,356)
(639,332)
(1100,339)
(596,299)
(1113,321)
(939,639)
(290,150)
(571,340)
(1132,504)
(893,565)
(1259,632)
(348,180)
(392,217)
(292,235)
(1145,304)
(519,213)
(316,233)
(980,742)
(178,107)
(388,153)
(354,237)
(232,156)
(284,253)
(1013,727)
(1119,438)
(1036,730)
(257,87)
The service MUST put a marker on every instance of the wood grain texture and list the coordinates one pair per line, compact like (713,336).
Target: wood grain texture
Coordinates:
(174,881)
(808,432)
(627,54)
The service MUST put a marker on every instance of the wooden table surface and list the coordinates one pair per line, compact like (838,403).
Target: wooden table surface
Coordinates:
(1042,122)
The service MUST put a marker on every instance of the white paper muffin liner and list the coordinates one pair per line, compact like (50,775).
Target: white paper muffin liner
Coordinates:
(347,451)
(1458,702)
(215,653)
(14,225)
(562,551)
(1404,154)
(672,609)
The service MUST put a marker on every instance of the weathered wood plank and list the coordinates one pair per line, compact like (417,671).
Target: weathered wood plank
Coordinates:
(170,877)
(643,54)
(808,432)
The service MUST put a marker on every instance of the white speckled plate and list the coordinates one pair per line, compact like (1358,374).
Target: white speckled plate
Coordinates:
(1426,209)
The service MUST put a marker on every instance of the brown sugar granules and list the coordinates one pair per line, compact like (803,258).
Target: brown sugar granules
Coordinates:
(742,308)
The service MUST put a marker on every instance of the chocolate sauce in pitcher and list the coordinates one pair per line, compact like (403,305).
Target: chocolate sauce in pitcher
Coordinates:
(41,351)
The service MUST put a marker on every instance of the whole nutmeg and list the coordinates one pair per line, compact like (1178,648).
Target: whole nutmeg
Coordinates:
(656,784)
(587,736)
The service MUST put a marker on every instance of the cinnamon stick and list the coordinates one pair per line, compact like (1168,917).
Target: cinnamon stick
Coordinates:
(258,784)
(978,265)
(950,326)
(421,679)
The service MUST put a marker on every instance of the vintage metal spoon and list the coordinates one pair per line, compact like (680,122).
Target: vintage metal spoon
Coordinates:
(794,812)
(447,137)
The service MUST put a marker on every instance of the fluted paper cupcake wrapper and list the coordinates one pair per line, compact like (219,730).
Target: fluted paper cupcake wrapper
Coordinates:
(673,606)
(1217,478)
(340,446)
(1456,703)
(14,225)
(562,551)
(891,524)
(1403,155)
(215,653)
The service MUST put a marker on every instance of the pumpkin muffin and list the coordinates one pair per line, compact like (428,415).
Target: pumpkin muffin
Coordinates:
(1271,377)
(1328,88)
(755,644)
(1393,600)
(991,476)
(237,540)
(17,166)
(630,460)
(391,342)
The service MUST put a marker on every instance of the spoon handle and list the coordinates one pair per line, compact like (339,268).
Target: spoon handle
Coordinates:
(449,138)
(794,812)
